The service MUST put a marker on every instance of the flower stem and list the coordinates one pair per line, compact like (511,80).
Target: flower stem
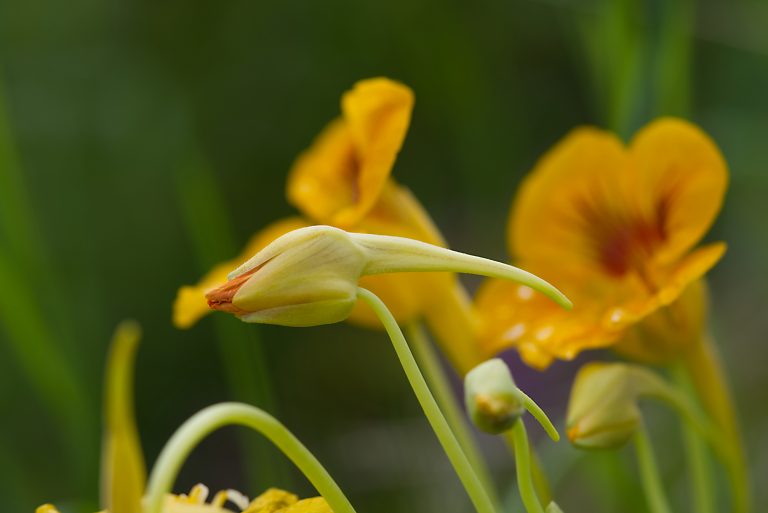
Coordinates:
(441,388)
(213,417)
(704,367)
(472,484)
(523,464)
(649,473)
(696,454)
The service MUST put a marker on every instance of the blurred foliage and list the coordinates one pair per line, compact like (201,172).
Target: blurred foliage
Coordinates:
(110,112)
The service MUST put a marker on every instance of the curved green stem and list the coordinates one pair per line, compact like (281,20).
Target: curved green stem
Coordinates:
(649,473)
(446,399)
(472,484)
(523,464)
(540,416)
(212,418)
(696,455)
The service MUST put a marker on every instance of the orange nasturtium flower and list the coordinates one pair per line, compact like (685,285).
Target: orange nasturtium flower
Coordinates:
(614,227)
(123,474)
(343,180)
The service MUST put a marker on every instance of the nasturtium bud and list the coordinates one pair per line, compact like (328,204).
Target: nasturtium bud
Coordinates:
(492,400)
(304,278)
(309,276)
(602,411)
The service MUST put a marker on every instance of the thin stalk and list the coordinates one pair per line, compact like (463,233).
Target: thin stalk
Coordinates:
(523,465)
(472,484)
(446,399)
(705,370)
(208,420)
(649,473)
(697,456)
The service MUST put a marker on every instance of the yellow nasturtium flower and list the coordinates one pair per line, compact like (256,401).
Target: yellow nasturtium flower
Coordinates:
(343,180)
(615,227)
(123,474)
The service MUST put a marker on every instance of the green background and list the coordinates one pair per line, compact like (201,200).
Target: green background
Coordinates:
(142,141)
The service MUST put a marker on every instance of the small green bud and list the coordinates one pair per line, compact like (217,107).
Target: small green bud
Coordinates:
(603,411)
(492,400)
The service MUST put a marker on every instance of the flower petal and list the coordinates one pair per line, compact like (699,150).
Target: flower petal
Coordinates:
(190,304)
(586,170)
(681,168)
(340,177)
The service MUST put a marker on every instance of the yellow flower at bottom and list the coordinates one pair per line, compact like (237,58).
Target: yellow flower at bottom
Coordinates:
(614,227)
(271,501)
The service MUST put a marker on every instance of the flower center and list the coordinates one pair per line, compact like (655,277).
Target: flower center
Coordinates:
(623,241)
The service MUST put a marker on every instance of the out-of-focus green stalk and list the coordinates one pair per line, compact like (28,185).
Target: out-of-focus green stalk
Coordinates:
(240,347)
(649,473)
(40,358)
(30,300)
(673,58)
(697,455)
(441,388)
(615,45)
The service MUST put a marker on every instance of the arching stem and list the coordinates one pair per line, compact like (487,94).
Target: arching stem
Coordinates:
(208,420)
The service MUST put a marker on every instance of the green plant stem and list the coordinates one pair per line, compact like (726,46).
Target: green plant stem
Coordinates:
(703,366)
(523,465)
(696,453)
(446,399)
(472,484)
(214,417)
(649,473)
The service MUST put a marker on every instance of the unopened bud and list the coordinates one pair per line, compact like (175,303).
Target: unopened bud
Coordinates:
(603,411)
(310,276)
(304,278)
(492,400)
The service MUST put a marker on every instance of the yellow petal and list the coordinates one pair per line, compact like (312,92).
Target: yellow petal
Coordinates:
(584,172)
(46,508)
(123,474)
(682,170)
(190,304)
(272,501)
(340,177)
(313,505)
(516,316)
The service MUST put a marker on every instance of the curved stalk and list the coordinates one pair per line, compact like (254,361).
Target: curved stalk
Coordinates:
(704,367)
(697,457)
(649,473)
(523,465)
(212,418)
(472,484)
(441,388)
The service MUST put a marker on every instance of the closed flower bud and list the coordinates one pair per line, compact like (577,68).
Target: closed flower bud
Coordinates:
(309,276)
(603,412)
(306,277)
(492,400)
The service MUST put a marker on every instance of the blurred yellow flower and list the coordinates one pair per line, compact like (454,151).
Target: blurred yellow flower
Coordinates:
(343,180)
(614,227)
